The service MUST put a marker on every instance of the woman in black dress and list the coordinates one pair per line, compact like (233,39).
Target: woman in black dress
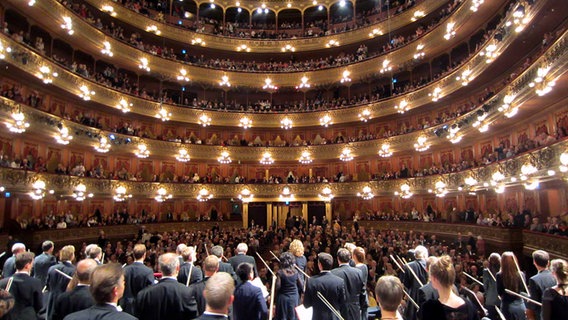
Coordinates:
(449,305)
(555,299)
(508,277)
(288,288)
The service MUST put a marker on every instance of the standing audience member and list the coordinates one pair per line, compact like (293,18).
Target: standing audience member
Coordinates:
(288,288)
(539,283)
(427,291)
(492,300)
(449,305)
(249,303)
(79,298)
(412,285)
(223,266)
(107,287)
(509,277)
(210,267)
(44,261)
(555,299)
(355,289)
(359,259)
(327,284)
(188,256)
(25,289)
(10,263)
(219,296)
(389,292)
(168,299)
(57,282)
(241,257)
(137,277)
(297,249)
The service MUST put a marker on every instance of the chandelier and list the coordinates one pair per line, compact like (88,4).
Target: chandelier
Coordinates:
(183,155)
(163,115)
(527,170)
(326,194)
(286,194)
(402,107)
(103,146)
(108,9)
(326,120)
(204,120)
(540,83)
(375,32)
(286,123)
(225,81)
(531,185)
(419,52)
(385,66)
(162,195)
(246,195)
(245,122)
(18,124)
(385,151)
(243,47)
(120,194)
(124,106)
(67,25)
(417,15)
(107,49)
(563,162)
(470,181)
(366,194)
(144,65)
(345,77)
(86,93)
(266,158)
(440,189)
(224,158)
(46,75)
(198,41)
(142,151)
(436,94)
(80,193)
(154,29)
(303,84)
(365,115)
(450,32)
(204,195)
(346,155)
(332,43)
(475,5)
(305,158)
(465,77)
(490,53)
(182,76)
(38,191)
(421,144)
(405,191)
(288,47)
(268,86)
(3,51)
(63,137)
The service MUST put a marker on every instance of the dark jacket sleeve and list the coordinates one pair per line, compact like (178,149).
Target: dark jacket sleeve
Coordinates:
(262,305)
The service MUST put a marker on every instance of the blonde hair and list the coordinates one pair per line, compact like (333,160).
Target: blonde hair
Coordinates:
(67,253)
(297,248)
(443,270)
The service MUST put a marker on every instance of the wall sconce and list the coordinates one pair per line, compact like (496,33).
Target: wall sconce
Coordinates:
(144,65)
(465,77)
(375,32)
(345,76)
(39,190)
(303,83)
(243,47)
(385,66)
(154,29)
(440,189)
(365,115)
(288,47)
(268,85)
(421,144)
(198,41)
(402,107)
(163,115)
(225,81)
(326,120)
(183,75)
(286,194)
(450,32)
(3,51)
(332,43)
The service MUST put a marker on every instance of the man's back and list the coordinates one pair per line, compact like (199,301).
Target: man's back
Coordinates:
(331,287)
(42,263)
(137,277)
(27,295)
(9,267)
(184,269)
(249,303)
(166,300)
(72,301)
(100,312)
(234,261)
(354,290)
(537,285)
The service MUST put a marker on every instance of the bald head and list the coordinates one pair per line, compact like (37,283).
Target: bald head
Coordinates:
(85,268)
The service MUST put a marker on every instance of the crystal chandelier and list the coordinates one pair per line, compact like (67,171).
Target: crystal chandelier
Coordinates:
(46,75)
(365,115)
(246,195)
(286,123)
(286,194)
(385,151)
(366,194)
(18,124)
(440,189)
(183,155)
(204,120)
(421,144)
(245,122)
(103,146)
(120,194)
(405,192)
(305,158)
(346,155)
(63,137)
(163,115)
(266,159)
(224,158)
(80,193)
(325,121)
(124,106)
(182,76)
(38,191)
(204,195)
(326,194)
(86,93)
(142,151)
(162,195)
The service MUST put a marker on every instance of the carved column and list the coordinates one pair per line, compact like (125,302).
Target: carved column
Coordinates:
(245,214)
(305,211)
(269,217)
(328,211)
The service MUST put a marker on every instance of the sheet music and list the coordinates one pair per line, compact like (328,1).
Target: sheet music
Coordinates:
(303,313)
(258,283)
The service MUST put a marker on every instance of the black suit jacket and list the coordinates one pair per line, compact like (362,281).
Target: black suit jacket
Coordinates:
(211,317)
(240,258)
(196,274)
(137,277)
(42,263)
(226,267)
(249,304)
(355,291)
(332,288)
(168,299)
(197,297)
(78,299)
(57,283)
(100,312)
(412,285)
(537,284)
(9,267)
(27,295)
